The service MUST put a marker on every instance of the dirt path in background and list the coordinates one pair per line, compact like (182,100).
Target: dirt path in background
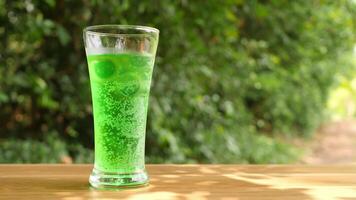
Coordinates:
(334,143)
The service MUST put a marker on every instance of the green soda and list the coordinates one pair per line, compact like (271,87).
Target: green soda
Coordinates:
(120,85)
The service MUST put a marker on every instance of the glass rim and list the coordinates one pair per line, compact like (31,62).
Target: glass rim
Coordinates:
(93,29)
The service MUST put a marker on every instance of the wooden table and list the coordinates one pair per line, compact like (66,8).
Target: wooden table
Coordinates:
(225,182)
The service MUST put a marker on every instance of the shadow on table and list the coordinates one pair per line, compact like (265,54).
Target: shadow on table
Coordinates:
(203,182)
(216,182)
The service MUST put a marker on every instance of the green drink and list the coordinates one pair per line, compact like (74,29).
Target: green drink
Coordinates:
(120,85)
(120,61)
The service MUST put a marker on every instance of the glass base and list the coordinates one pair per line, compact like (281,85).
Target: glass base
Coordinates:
(105,180)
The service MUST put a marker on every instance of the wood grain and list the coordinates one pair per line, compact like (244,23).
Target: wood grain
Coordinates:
(225,182)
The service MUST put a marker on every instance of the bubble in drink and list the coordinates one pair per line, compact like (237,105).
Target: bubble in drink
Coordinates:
(104,69)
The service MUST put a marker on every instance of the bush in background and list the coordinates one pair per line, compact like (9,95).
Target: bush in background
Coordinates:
(229,77)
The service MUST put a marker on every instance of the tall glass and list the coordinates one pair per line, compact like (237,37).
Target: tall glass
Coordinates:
(120,60)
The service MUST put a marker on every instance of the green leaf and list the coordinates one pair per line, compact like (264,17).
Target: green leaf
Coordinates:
(51,3)
(63,35)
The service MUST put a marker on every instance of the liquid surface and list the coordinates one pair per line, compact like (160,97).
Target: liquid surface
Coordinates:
(120,85)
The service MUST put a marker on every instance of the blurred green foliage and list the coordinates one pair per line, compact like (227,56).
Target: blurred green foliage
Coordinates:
(342,101)
(230,76)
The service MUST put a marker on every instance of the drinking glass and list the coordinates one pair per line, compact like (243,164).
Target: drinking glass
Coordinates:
(120,61)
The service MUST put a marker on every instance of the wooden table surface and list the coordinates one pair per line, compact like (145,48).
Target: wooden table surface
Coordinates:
(226,182)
